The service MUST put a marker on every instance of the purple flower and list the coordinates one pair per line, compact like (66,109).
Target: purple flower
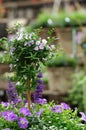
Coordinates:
(9,116)
(36,48)
(23,122)
(83,116)
(40,88)
(40,112)
(39,81)
(12,49)
(5,104)
(41,101)
(57,109)
(38,92)
(65,106)
(61,107)
(25,111)
(41,46)
(40,75)
(12,93)
(29,44)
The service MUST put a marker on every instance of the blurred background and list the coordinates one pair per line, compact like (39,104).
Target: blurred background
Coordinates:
(65,75)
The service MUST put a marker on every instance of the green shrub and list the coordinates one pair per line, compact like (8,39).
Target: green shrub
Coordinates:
(62,19)
(76,94)
(62,60)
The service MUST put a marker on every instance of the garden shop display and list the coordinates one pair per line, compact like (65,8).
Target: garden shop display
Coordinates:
(26,53)
(61,19)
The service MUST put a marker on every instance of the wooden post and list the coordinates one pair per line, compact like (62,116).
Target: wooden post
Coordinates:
(29,95)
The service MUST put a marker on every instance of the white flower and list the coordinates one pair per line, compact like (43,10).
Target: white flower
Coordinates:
(15,65)
(18,83)
(44,41)
(50,21)
(31,34)
(25,44)
(5,52)
(32,42)
(36,48)
(20,37)
(10,67)
(67,19)
(26,35)
(52,47)
(37,42)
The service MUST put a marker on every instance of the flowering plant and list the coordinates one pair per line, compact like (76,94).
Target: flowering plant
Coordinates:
(41,117)
(15,115)
(27,51)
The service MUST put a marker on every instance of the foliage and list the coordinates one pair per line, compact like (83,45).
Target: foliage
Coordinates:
(41,117)
(2,44)
(62,19)
(5,58)
(4,55)
(62,60)
(76,94)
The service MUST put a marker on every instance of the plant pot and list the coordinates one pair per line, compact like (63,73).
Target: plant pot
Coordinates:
(60,79)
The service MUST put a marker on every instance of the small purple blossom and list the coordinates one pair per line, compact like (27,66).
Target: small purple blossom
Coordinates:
(57,109)
(12,93)
(23,122)
(29,44)
(9,116)
(36,48)
(83,116)
(61,107)
(38,92)
(39,81)
(65,106)
(41,101)
(41,46)
(40,112)
(40,75)
(40,88)
(25,111)
(12,49)
(5,104)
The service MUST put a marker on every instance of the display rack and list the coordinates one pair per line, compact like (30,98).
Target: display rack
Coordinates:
(27,3)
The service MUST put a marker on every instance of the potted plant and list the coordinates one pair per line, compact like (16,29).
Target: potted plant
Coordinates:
(60,69)
(27,51)
(15,114)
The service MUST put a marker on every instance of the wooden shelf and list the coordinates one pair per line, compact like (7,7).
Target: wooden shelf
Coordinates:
(26,3)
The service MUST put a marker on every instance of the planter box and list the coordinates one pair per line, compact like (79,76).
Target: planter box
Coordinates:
(60,79)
